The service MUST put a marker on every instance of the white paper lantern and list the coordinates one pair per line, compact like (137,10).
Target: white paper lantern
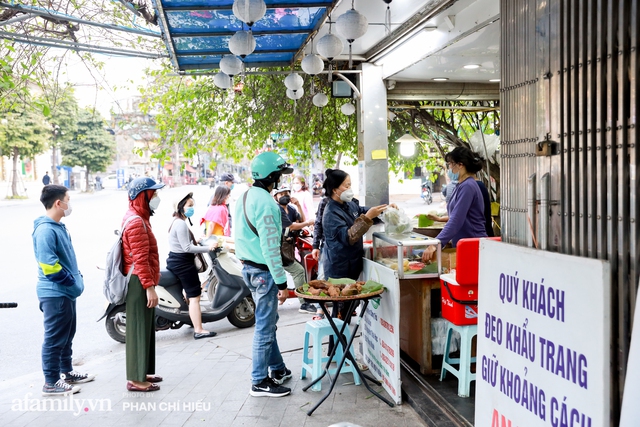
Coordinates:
(351,25)
(293,81)
(312,64)
(329,46)
(222,80)
(295,94)
(249,11)
(231,65)
(242,43)
(348,109)
(320,99)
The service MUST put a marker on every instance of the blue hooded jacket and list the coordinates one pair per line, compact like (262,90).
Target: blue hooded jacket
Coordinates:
(58,274)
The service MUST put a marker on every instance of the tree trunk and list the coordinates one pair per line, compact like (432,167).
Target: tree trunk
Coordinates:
(54,161)
(86,186)
(14,177)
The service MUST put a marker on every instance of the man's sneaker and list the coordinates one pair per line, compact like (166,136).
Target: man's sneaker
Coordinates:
(307,308)
(268,388)
(74,377)
(280,376)
(60,388)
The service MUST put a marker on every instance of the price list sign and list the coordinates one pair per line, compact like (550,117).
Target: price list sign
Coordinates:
(543,339)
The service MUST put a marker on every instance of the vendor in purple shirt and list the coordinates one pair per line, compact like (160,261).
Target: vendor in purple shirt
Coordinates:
(466,206)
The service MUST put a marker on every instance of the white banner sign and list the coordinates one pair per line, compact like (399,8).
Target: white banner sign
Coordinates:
(380,332)
(543,339)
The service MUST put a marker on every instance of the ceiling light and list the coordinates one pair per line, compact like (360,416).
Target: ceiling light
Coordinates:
(472,66)
(495,80)
(440,79)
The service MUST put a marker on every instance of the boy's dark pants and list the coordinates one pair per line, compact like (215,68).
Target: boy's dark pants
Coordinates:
(59,330)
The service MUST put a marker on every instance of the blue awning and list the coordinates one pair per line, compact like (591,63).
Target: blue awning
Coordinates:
(197,32)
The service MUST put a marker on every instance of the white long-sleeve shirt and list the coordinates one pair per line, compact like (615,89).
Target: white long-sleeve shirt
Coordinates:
(180,240)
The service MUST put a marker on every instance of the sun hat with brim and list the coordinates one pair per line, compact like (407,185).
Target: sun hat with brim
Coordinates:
(178,201)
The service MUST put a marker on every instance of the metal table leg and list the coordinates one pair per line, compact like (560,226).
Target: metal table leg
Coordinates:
(346,354)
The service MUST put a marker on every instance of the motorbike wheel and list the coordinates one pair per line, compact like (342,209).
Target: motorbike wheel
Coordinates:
(116,324)
(244,314)
(211,289)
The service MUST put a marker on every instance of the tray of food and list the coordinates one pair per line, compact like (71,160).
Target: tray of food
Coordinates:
(339,289)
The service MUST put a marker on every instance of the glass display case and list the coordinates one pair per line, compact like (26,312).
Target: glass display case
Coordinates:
(403,253)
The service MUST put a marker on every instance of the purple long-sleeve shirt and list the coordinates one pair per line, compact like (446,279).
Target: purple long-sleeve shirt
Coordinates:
(466,214)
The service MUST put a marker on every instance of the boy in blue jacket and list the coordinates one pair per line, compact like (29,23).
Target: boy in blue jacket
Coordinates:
(59,284)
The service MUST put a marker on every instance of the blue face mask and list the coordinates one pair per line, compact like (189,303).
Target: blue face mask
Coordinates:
(452,176)
(188,212)
(232,185)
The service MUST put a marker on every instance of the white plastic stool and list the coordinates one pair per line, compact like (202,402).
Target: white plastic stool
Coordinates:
(318,329)
(463,373)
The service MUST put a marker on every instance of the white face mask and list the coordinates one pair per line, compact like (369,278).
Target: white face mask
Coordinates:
(69,209)
(296,187)
(154,203)
(346,195)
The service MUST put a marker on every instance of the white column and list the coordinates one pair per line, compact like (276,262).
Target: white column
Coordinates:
(373,166)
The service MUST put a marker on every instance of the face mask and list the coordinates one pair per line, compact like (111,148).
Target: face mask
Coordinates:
(452,176)
(189,212)
(346,195)
(296,187)
(154,203)
(69,209)
(284,200)
(232,185)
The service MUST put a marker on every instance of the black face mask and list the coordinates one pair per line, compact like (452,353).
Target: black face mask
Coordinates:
(284,200)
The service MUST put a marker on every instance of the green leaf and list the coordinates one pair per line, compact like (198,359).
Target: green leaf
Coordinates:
(345,281)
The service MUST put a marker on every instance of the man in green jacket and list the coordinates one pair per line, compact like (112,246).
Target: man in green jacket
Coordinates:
(258,239)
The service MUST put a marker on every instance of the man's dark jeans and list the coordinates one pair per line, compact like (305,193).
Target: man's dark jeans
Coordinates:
(59,330)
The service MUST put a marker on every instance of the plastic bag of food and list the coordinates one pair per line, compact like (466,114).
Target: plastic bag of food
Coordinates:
(396,221)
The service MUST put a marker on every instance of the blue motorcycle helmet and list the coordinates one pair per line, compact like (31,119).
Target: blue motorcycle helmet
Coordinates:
(141,184)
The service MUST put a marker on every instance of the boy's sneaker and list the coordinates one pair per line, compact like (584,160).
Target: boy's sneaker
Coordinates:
(280,376)
(74,377)
(268,388)
(60,388)
(307,308)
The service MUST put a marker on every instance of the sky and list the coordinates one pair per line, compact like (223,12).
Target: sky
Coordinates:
(110,87)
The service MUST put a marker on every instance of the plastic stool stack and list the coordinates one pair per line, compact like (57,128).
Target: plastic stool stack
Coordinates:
(463,373)
(317,330)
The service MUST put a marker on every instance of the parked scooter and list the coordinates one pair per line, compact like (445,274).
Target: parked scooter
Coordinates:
(228,297)
(426,192)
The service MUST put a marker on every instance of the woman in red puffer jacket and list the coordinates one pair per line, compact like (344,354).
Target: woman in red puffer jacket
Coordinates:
(141,251)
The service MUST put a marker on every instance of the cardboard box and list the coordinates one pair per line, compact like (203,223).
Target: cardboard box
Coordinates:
(448,260)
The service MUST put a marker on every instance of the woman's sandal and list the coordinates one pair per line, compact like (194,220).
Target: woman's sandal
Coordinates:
(154,378)
(152,387)
(318,316)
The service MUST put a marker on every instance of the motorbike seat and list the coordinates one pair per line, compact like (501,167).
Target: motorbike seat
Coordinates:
(167,278)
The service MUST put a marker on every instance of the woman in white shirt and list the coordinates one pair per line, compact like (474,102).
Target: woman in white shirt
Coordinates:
(303,195)
(181,261)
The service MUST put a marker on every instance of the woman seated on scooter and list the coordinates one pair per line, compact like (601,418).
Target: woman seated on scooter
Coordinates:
(181,261)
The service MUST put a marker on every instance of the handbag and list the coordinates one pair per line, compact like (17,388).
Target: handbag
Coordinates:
(287,245)
(201,263)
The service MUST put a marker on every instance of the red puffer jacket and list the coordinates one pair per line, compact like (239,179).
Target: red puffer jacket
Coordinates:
(139,244)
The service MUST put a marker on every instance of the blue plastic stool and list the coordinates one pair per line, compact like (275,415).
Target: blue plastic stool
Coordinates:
(463,373)
(318,329)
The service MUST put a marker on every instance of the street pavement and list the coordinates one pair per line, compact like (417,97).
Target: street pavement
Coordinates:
(205,381)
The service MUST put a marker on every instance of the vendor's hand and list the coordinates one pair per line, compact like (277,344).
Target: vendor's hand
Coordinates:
(152,297)
(375,211)
(213,246)
(282,296)
(429,254)
(315,254)
(433,217)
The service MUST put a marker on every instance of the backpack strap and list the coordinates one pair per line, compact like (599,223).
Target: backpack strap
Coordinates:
(244,209)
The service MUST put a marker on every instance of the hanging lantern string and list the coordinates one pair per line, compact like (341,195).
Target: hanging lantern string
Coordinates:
(387,20)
